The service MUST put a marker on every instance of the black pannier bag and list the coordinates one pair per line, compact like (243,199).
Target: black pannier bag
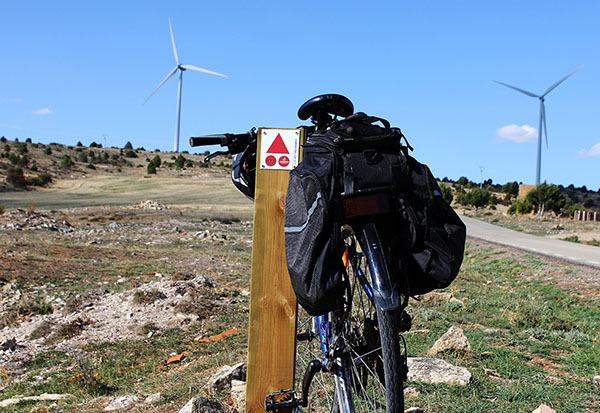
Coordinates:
(312,252)
(352,155)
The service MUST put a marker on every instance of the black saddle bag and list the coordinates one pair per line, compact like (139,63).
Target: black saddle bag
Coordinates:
(356,156)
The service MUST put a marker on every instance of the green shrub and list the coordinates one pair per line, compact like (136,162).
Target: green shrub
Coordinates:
(156,161)
(90,166)
(48,151)
(447,193)
(39,180)
(16,178)
(3,139)
(66,162)
(22,148)
(7,148)
(151,168)
(546,197)
(82,157)
(520,206)
(479,197)
(2,207)
(128,145)
(180,161)
(79,143)
(130,154)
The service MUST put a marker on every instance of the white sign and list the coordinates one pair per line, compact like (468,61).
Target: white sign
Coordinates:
(279,149)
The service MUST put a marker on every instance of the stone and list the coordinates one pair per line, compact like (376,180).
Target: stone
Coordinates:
(437,371)
(223,377)
(199,404)
(453,339)
(238,395)
(455,301)
(153,398)
(411,392)
(544,409)
(414,410)
(120,402)
(42,397)
(596,381)
(437,297)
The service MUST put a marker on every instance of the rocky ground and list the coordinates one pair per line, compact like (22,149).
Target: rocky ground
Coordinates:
(144,308)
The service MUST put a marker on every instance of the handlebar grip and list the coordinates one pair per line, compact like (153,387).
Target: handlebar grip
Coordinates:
(209,140)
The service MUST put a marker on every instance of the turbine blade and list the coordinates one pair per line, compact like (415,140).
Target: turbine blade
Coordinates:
(162,83)
(199,69)
(551,88)
(533,95)
(543,114)
(173,41)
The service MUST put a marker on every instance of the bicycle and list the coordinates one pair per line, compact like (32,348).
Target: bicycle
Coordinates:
(352,359)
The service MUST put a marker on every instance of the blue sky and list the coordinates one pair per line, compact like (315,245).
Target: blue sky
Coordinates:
(81,70)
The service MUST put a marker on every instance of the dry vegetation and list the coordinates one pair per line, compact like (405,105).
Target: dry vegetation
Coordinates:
(94,303)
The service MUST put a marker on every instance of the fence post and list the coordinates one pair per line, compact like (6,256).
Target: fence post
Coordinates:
(272,323)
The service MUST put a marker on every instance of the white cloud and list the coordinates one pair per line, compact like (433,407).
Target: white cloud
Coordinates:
(44,111)
(517,133)
(593,151)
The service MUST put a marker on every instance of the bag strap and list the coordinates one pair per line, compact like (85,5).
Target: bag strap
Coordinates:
(372,119)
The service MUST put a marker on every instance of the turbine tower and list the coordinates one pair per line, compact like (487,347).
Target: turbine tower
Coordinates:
(542,118)
(181,68)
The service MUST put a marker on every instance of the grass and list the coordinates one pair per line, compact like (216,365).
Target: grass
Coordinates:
(214,193)
(533,342)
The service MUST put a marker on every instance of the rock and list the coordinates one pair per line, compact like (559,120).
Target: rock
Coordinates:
(596,381)
(454,339)
(199,404)
(455,301)
(414,410)
(436,298)
(411,392)
(238,395)
(120,402)
(153,398)
(223,377)
(544,409)
(436,371)
(42,397)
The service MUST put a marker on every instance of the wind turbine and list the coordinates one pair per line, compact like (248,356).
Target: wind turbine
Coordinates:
(181,68)
(542,118)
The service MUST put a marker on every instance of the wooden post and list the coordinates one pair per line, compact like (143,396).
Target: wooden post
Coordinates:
(272,324)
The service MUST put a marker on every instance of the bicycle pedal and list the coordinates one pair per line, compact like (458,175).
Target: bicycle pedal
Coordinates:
(283,401)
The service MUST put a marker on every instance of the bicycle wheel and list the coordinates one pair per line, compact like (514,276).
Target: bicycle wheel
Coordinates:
(364,337)
(372,335)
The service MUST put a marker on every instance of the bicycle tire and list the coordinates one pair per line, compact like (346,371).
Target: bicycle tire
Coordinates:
(374,357)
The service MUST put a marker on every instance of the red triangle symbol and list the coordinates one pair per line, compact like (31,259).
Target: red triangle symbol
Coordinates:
(278,146)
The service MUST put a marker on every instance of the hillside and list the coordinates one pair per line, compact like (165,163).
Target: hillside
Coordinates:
(43,164)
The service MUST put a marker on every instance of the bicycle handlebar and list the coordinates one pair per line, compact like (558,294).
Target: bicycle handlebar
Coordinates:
(208,140)
(235,142)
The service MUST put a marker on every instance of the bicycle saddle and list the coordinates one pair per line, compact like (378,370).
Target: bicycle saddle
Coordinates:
(337,105)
